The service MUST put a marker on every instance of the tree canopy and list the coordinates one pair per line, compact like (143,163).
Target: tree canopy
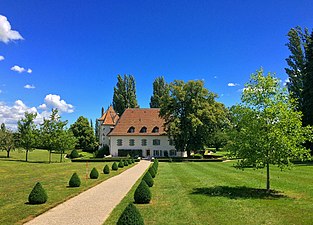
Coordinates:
(7,142)
(124,94)
(160,88)
(267,128)
(191,114)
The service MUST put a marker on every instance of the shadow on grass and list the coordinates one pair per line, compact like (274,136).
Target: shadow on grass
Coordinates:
(237,192)
(23,160)
(303,163)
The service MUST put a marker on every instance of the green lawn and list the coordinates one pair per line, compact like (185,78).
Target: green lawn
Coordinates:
(17,178)
(216,193)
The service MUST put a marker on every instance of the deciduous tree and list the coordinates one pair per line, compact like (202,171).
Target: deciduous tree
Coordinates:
(160,88)
(7,142)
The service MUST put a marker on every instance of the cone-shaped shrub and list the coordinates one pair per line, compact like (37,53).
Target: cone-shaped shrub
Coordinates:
(148,179)
(155,168)
(74,181)
(152,171)
(106,169)
(126,163)
(94,174)
(38,195)
(114,166)
(129,162)
(130,215)
(74,154)
(142,194)
(121,164)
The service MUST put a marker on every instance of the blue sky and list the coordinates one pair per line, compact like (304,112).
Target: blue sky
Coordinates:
(75,49)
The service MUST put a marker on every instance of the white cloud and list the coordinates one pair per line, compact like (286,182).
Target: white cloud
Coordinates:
(20,69)
(55,101)
(6,34)
(232,84)
(1,57)
(29,86)
(43,106)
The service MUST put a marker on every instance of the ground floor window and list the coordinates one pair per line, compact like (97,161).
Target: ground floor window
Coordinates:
(158,153)
(173,152)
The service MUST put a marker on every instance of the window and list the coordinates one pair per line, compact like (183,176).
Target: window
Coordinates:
(131,142)
(171,142)
(172,152)
(156,152)
(131,130)
(143,142)
(156,142)
(155,130)
(119,142)
(143,130)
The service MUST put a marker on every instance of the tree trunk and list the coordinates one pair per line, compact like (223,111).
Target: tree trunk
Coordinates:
(61,156)
(26,155)
(188,153)
(8,153)
(50,156)
(268,177)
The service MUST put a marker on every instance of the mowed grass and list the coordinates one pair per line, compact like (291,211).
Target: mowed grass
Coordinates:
(17,178)
(216,193)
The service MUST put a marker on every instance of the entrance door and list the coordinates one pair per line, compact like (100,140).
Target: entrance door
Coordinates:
(148,152)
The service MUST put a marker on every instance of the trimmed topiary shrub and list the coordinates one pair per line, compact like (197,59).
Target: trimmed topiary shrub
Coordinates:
(106,169)
(130,215)
(38,195)
(114,166)
(121,164)
(74,154)
(129,162)
(133,161)
(94,174)
(148,179)
(152,171)
(126,163)
(74,181)
(142,194)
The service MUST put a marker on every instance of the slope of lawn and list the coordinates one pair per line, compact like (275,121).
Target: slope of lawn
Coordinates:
(17,178)
(216,193)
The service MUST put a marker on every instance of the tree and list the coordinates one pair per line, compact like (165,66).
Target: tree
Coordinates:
(26,130)
(267,128)
(124,94)
(160,88)
(7,142)
(191,115)
(84,134)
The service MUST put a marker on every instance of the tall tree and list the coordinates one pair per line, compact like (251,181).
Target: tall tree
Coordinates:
(267,128)
(160,88)
(26,130)
(124,94)
(191,115)
(84,134)
(7,142)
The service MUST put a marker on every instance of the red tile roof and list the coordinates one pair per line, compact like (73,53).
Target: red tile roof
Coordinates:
(139,118)
(110,117)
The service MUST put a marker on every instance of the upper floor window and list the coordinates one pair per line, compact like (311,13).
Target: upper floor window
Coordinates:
(143,142)
(171,142)
(156,142)
(119,142)
(155,130)
(131,130)
(143,130)
(131,142)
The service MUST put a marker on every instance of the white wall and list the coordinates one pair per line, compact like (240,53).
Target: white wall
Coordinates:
(103,132)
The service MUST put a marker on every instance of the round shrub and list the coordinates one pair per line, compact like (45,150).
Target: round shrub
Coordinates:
(38,195)
(106,169)
(133,161)
(130,215)
(114,166)
(121,164)
(129,162)
(126,163)
(142,194)
(74,154)
(148,179)
(94,174)
(152,171)
(74,181)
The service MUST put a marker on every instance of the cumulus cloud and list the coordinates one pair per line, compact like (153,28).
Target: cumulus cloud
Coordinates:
(232,84)
(1,57)
(43,106)
(55,101)
(29,86)
(6,33)
(20,69)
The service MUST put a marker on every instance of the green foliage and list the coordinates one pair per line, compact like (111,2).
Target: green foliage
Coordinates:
(191,114)
(74,154)
(94,174)
(142,194)
(106,169)
(74,181)
(124,94)
(129,161)
(152,171)
(103,151)
(121,164)
(84,134)
(7,141)
(126,163)
(27,133)
(198,156)
(130,215)
(267,129)
(160,88)
(38,195)
(114,166)
(148,179)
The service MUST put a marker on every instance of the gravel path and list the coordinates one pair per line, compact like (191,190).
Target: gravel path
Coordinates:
(93,206)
